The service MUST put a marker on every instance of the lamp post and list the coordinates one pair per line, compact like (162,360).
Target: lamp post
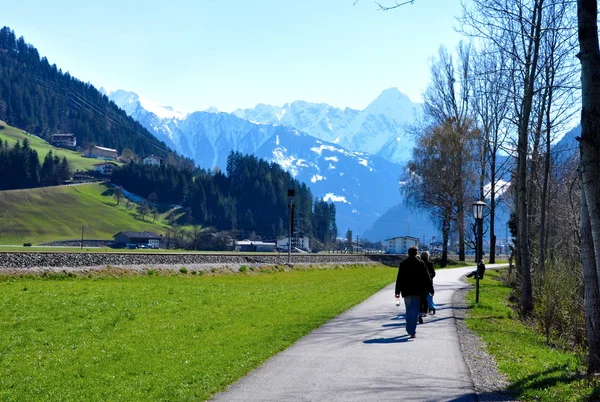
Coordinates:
(291,193)
(478,208)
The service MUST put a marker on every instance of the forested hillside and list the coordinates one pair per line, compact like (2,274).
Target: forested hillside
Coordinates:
(252,198)
(38,97)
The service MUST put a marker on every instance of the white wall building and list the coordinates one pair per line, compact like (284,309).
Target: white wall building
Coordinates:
(152,160)
(105,168)
(301,242)
(400,245)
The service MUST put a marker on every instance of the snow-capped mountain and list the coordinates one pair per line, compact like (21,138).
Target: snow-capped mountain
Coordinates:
(380,129)
(363,186)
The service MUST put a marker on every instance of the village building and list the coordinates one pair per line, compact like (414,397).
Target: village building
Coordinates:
(152,160)
(299,241)
(105,168)
(400,245)
(127,239)
(101,153)
(64,141)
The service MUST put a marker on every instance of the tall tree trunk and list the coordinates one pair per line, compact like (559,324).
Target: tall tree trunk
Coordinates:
(493,211)
(544,201)
(589,148)
(460,200)
(592,293)
(524,247)
(445,237)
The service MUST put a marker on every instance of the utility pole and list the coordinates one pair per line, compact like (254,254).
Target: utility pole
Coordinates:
(357,249)
(82,236)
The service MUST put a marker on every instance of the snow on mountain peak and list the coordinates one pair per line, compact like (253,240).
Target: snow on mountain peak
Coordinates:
(161,111)
(392,103)
(128,101)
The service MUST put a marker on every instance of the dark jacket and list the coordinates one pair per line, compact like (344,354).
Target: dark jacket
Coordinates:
(413,278)
(430,268)
(480,270)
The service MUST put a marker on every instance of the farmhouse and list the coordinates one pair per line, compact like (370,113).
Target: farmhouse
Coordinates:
(254,245)
(300,241)
(152,160)
(400,245)
(101,153)
(122,239)
(105,168)
(64,140)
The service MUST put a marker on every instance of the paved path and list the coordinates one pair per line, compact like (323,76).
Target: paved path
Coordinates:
(365,355)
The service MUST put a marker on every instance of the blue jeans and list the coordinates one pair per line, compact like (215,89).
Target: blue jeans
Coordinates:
(412,304)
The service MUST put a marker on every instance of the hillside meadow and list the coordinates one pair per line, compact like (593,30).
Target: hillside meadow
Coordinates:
(157,336)
(47,214)
(76,161)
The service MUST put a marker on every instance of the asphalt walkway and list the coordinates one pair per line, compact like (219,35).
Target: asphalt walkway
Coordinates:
(365,354)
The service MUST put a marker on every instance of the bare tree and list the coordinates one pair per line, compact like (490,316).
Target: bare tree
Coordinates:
(491,103)
(152,200)
(434,175)
(118,192)
(447,100)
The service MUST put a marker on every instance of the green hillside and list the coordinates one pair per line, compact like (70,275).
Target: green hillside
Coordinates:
(76,161)
(46,214)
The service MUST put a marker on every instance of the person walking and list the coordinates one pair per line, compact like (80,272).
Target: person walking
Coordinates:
(427,305)
(412,282)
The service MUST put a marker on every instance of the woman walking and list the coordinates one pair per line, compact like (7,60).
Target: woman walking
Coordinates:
(429,306)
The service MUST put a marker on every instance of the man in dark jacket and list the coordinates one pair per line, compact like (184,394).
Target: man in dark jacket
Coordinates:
(412,282)
(480,271)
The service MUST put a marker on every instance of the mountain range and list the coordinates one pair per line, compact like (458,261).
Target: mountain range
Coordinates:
(353,158)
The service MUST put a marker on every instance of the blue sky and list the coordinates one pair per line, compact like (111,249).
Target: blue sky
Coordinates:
(232,53)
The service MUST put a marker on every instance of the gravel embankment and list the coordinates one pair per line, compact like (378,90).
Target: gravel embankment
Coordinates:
(30,261)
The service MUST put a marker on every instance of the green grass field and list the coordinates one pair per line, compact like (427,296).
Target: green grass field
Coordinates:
(536,371)
(148,337)
(76,161)
(47,214)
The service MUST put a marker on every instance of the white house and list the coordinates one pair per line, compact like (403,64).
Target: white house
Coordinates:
(400,245)
(298,241)
(152,160)
(105,168)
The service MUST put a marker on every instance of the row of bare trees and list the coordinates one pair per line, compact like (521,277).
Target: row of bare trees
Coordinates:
(500,103)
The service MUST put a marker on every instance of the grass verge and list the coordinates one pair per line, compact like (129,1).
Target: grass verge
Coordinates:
(161,337)
(47,214)
(536,371)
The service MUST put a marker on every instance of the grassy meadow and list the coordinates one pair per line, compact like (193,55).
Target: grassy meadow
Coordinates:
(537,371)
(76,161)
(161,337)
(57,213)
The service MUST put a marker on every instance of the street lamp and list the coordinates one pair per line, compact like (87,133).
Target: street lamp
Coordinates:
(478,208)
(291,194)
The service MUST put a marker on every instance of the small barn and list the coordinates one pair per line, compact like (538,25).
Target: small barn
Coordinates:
(122,239)
(102,153)
(254,245)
